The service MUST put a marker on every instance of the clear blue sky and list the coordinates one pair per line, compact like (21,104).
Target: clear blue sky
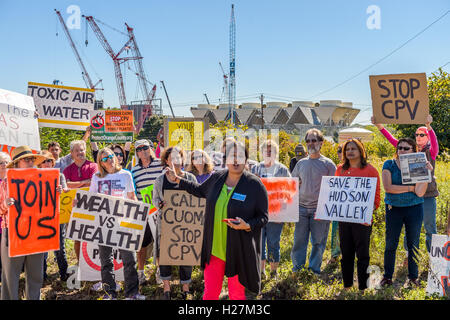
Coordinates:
(292,49)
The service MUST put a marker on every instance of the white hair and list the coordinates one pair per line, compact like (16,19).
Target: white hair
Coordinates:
(5,156)
(77,143)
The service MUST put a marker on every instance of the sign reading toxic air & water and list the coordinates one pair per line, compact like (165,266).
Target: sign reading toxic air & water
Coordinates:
(439,272)
(108,221)
(346,199)
(62,107)
(400,98)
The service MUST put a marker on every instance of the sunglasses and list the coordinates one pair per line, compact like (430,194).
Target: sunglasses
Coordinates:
(312,141)
(119,154)
(142,148)
(47,161)
(404,148)
(421,134)
(104,159)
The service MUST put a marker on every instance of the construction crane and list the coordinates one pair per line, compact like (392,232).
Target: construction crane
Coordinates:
(84,73)
(225,83)
(232,83)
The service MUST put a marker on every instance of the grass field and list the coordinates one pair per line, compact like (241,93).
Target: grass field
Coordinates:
(292,285)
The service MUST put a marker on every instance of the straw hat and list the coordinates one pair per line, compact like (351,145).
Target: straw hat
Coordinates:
(47,155)
(24,152)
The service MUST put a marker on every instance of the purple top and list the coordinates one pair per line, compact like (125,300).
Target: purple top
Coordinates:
(434,146)
(202,178)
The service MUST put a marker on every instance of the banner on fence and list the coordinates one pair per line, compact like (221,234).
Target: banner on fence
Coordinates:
(34,217)
(89,268)
(62,107)
(65,204)
(439,272)
(182,222)
(346,199)
(109,221)
(283,198)
(111,126)
(400,98)
(18,124)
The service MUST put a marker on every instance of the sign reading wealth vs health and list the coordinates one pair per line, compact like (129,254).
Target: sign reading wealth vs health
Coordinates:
(34,217)
(346,199)
(182,222)
(62,107)
(112,126)
(400,98)
(18,125)
(108,221)
(283,198)
(439,272)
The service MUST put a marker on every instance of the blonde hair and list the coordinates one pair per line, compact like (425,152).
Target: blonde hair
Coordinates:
(207,167)
(101,170)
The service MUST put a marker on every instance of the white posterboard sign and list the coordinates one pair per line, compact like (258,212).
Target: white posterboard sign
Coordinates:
(89,268)
(283,198)
(439,272)
(346,199)
(413,168)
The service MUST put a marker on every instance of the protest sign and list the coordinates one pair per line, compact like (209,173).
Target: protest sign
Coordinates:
(65,204)
(400,98)
(187,133)
(18,125)
(182,222)
(346,199)
(111,126)
(34,217)
(439,272)
(413,167)
(283,198)
(108,221)
(153,218)
(62,107)
(89,268)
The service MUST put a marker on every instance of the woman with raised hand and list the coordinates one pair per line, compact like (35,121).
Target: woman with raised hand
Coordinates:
(354,238)
(119,184)
(172,157)
(404,206)
(427,142)
(236,211)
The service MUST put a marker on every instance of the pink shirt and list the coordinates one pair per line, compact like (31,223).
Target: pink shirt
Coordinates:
(434,146)
(73,173)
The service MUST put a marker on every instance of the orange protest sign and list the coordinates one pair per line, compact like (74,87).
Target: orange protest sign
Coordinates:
(34,217)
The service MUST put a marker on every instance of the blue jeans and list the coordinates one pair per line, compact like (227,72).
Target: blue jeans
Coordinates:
(396,217)
(271,234)
(429,220)
(60,255)
(306,226)
(335,248)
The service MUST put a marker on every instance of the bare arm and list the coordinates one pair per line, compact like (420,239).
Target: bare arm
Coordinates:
(391,188)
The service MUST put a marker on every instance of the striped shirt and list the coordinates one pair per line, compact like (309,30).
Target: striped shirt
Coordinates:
(144,177)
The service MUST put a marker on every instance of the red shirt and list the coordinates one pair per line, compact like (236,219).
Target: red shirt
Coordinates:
(73,173)
(368,171)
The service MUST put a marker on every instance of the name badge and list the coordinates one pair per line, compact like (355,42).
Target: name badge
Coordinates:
(238,196)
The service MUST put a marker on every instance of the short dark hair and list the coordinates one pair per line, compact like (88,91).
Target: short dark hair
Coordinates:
(53,144)
(316,132)
(235,145)
(166,153)
(409,141)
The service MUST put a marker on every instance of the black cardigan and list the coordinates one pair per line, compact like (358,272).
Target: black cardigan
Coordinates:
(243,256)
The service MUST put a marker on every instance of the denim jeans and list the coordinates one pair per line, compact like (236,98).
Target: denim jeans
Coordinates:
(335,248)
(271,234)
(429,220)
(396,217)
(60,255)
(129,271)
(306,226)
(185,272)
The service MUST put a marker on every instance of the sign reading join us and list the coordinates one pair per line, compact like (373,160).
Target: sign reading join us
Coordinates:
(400,98)
(62,107)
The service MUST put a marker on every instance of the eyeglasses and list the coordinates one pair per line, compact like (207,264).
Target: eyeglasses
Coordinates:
(3,163)
(47,161)
(404,148)
(104,159)
(420,134)
(29,159)
(142,148)
(312,141)
(119,154)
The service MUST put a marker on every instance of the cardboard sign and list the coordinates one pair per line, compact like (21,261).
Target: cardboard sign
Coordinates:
(65,205)
(283,198)
(187,133)
(182,222)
(108,221)
(34,217)
(153,219)
(439,272)
(346,199)
(400,98)
(112,126)
(89,268)
(62,107)
(18,126)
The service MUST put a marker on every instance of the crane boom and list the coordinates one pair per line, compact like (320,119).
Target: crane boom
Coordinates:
(232,83)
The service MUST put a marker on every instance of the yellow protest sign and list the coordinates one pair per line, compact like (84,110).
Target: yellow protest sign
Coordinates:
(65,205)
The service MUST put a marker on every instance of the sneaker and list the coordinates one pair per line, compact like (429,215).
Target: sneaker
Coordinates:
(386,282)
(411,283)
(97,286)
(137,296)
(141,277)
(166,295)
